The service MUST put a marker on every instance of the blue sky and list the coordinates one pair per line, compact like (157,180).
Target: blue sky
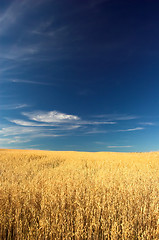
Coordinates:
(79,75)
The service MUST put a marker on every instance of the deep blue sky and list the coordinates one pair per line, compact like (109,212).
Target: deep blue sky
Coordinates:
(79,75)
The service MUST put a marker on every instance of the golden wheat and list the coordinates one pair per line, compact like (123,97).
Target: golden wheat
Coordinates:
(76,195)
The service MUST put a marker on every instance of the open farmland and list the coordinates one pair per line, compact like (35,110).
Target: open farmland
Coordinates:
(78,195)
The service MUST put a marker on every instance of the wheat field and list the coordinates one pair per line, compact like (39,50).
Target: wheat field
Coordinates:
(78,195)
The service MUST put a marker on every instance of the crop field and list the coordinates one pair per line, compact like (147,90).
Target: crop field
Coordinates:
(78,195)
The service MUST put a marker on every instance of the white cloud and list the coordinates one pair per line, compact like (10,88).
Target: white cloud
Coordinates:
(96,122)
(13,106)
(50,124)
(58,117)
(51,117)
(34,124)
(18,140)
(126,118)
(130,129)
(27,133)
(147,123)
(15,139)
(96,131)
(30,82)
(11,131)
(117,117)
(49,135)
(28,124)
(119,146)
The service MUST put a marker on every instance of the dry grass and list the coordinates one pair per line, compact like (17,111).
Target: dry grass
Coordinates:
(70,195)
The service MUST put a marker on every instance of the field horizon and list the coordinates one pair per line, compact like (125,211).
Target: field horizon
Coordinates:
(42,150)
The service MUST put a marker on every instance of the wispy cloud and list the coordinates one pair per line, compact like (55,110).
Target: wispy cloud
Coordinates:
(43,124)
(22,53)
(6,69)
(56,126)
(13,106)
(42,28)
(119,146)
(28,133)
(117,117)
(96,122)
(27,123)
(45,29)
(8,17)
(11,131)
(30,82)
(130,129)
(52,124)
(147,123)
(15,11)
(15,139)
(58,120)
(58,117)
(23,47)
(49,135)
(96,131)
(126,118)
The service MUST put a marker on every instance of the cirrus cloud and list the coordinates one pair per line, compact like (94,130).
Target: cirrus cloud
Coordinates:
(130,129)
